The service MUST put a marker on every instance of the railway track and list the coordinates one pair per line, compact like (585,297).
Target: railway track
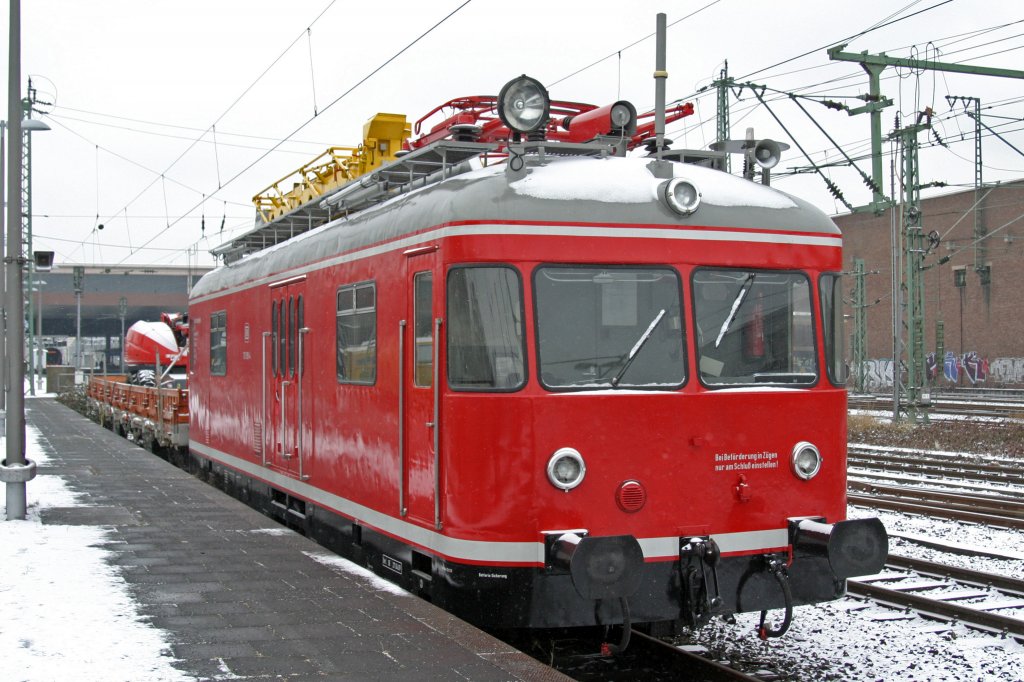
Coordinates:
(997,471)
(977,490)
(959,510)
(984,601)
(967,406)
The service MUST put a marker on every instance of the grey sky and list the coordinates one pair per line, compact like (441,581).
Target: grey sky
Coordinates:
(135,83)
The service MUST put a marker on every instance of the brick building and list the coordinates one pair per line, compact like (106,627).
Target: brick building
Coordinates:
(978,294)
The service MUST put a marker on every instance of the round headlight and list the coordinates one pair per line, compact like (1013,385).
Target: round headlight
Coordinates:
(566,469)
(523,104)
(623,117)
(681,195)
(806,460)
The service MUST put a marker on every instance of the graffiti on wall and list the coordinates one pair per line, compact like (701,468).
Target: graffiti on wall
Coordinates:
(965,369)
(971,367)
(1007,370)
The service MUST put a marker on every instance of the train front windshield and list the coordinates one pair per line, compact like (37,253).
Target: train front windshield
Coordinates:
(609,327)
(754,327)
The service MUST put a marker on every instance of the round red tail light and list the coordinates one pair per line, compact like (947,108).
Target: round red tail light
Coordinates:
(631,496)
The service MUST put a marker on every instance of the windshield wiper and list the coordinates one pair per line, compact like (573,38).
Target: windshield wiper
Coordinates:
(737,302)
(637,346)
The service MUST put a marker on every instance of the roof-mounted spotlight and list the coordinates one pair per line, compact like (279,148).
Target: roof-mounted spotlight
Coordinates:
(524,105)
(616,119)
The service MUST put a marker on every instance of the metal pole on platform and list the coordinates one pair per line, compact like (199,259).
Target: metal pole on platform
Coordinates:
(15,471)
(3,274)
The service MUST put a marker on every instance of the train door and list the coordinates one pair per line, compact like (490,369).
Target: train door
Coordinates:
(421,495)
(286,405)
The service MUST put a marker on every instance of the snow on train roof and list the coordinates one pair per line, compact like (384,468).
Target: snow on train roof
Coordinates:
(609,180)
(628,180)
(612,181)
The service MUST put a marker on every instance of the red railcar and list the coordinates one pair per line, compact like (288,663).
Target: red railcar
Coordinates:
(572,389)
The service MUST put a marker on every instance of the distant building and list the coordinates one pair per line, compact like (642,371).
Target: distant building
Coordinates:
(978,295)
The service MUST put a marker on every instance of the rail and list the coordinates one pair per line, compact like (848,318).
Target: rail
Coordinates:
(949,593)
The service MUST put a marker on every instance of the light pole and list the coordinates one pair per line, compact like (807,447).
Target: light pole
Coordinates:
(3,276)
(15,470)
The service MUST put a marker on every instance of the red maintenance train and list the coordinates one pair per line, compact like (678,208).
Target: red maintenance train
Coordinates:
(542,381)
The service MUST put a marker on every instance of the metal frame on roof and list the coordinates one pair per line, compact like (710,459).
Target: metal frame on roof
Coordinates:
(418,168)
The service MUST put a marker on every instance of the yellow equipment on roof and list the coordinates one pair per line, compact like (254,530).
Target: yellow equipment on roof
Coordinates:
(383,136)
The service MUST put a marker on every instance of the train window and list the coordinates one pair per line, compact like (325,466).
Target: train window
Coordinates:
(282,339)
(609,326)
(357,333)
(299,324)
(218,344)
(832,325)
(291,336)
(273,338)
(485,329)
(423,294)
(754,327)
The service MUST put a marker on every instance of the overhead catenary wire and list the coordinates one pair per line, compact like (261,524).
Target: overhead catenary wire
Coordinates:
(229,108)
(330,105)
(686,129)
(632,44)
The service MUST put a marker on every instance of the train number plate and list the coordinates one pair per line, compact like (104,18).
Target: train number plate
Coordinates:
(391,564)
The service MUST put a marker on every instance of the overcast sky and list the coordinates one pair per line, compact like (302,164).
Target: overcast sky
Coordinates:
(131,86)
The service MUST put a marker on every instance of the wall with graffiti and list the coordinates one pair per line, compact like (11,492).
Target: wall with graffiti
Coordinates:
(967,369)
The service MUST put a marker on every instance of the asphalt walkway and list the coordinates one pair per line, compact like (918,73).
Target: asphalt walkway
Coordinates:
(240,597)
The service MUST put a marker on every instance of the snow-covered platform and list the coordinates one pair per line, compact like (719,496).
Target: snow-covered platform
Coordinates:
(233,595)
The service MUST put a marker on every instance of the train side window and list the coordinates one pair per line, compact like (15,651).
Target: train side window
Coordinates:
(423,333)
(218,344)
(282,339)
(273,338)
(832,326)
(754,327)
(299,324)
(291,336)
(357,334)
(485,329)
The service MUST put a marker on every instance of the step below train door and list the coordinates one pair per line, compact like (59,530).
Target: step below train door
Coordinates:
(419,458)
(286,403)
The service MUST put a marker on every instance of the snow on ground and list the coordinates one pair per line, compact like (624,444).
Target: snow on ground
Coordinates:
(857,641)
(853,641)
(65,613)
